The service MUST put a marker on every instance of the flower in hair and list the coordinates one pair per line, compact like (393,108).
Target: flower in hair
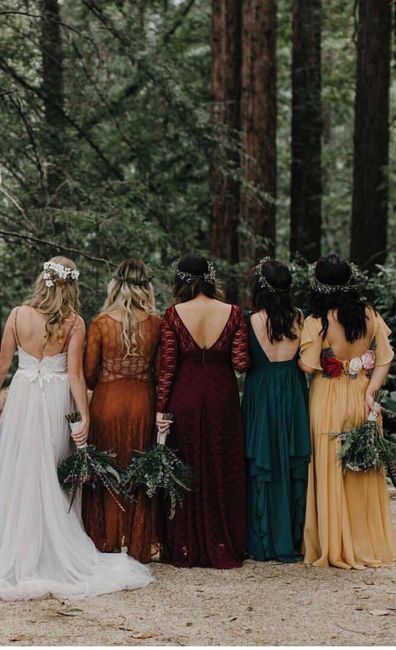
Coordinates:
(54,272)
(262,280)
(209,276)
(322,287)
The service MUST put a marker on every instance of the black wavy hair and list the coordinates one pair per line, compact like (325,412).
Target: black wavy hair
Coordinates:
(351,306)
(279,305)
(197,265)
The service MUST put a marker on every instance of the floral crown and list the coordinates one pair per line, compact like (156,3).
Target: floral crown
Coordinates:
(54,273)
(322,287)
(262,280)
(135,283)
(209,276)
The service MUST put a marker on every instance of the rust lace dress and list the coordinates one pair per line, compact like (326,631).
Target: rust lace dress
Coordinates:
(199,387)
(122,419)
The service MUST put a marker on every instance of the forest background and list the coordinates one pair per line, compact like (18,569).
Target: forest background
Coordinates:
(150,128)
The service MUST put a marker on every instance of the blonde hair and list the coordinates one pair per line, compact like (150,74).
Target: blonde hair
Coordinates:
(56,297)
(128,291)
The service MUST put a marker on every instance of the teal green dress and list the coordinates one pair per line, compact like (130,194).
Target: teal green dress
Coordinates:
(278,451)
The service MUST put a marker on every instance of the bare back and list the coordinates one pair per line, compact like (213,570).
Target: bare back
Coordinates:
(342,348)
(30,334)
(205,318)
(278,350)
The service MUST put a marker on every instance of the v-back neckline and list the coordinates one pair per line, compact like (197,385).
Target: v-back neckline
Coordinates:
(193,339)
(264,352)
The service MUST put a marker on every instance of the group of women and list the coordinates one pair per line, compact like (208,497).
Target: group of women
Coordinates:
(267,479)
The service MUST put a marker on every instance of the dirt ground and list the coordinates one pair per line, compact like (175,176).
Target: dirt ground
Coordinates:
(259,604)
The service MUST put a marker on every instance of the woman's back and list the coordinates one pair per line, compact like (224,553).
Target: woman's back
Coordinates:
(336,339)
(31,335)
(275,351)
(205,319)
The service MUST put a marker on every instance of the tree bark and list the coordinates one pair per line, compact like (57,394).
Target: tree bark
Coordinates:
(306,173)
(371,135)
(52,88)
(226,93)
(258,124)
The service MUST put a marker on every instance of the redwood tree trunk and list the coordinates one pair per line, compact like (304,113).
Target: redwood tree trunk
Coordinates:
(371,137)
(53,93)
(226,92)
(258,125)
(306,174)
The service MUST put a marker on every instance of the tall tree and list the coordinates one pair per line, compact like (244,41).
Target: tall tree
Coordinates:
(258,125)
(306,173)
(226,92)
(371,135)
(52,88)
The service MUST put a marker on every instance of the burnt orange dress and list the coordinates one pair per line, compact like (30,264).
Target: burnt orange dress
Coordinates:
(122,419)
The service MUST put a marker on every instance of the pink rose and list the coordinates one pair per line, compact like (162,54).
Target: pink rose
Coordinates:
(368,360)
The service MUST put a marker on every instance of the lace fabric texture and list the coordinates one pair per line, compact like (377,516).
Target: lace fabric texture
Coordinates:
(122,419)
(199,387)
(105,359)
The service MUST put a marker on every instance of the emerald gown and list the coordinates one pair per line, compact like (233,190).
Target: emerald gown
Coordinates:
(278,451)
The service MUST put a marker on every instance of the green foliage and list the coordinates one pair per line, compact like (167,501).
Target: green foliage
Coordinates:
(159,472)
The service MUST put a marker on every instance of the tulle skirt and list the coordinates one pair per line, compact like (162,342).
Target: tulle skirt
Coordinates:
(43,547)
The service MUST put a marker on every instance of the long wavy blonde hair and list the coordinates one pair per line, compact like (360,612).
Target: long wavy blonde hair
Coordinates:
(58,301)
(130,290)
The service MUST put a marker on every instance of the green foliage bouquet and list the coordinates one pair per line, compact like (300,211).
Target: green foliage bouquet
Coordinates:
(364,448)
(159,472)
(89,466)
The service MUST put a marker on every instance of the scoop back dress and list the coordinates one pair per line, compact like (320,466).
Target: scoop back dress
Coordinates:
(121,419)
(43,547)
(198,385)
(278,447)
(348,520)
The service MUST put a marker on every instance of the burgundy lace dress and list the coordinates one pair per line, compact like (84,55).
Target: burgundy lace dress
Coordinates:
(199,387)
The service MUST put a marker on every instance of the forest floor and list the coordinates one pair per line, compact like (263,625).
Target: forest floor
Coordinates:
(259,604)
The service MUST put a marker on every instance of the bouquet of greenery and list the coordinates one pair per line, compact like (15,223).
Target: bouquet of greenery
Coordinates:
(158,471)
(89,466)
(364,448)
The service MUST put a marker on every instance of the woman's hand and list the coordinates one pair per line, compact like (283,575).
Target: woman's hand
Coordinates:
(369,401)
(80,434)
(162,424)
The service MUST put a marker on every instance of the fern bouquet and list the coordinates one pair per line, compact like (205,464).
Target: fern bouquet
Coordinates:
(364,448)
(158,471)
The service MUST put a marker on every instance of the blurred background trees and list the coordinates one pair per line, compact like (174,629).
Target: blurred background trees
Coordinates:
(154,127)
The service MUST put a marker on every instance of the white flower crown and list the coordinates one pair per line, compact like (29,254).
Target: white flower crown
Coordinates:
(322,287)
(186,276)
(60,272)
(262,280)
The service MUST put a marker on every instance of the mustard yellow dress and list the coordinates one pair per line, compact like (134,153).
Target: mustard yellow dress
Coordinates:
(348,519)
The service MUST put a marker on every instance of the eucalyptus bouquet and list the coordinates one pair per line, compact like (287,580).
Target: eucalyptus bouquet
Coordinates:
(158,471)
(364,448)
(89,466)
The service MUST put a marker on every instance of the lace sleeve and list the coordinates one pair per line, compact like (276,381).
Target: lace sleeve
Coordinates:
(240,344)
(168,362)
(92,354)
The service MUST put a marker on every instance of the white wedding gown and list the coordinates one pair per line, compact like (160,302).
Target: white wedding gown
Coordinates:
(44,548)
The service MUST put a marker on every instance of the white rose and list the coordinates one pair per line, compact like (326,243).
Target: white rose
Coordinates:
(355,365)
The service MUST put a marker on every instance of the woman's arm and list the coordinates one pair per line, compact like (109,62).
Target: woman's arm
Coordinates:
(77,381)
(92,354)
(7,350)
(168,366)
(376,382)
(240,357)
(307,369)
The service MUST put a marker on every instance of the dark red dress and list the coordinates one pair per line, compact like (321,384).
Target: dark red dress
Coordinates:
(199,387)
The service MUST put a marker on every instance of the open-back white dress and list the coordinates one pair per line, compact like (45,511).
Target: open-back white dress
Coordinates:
(44,548)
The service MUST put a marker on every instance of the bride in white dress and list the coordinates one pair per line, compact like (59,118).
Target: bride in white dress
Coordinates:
(44,548)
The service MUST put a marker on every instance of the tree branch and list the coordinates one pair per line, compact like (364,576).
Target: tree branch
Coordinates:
(6,234)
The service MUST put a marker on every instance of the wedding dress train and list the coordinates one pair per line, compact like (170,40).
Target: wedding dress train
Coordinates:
(44,548)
